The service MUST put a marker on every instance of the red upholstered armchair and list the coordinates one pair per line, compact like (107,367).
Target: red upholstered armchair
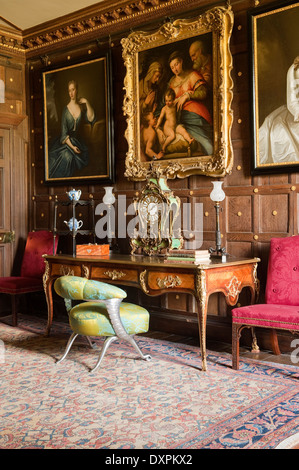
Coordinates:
(281,310)
(32,269)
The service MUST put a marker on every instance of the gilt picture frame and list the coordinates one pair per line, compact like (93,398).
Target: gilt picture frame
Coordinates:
(201,127)
(78,125)
(275,87)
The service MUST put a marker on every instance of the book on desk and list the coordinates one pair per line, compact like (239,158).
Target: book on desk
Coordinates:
(188,256)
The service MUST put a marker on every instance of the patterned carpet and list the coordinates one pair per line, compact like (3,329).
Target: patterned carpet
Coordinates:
(167,403)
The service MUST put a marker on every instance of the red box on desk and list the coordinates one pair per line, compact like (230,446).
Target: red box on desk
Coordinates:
(92,250)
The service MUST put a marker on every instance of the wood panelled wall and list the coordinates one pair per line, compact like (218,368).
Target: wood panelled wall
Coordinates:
(256,207)
(13,163)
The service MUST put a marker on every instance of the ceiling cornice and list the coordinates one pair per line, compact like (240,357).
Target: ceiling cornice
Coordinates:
(106,9)
(98,20)
(11,41)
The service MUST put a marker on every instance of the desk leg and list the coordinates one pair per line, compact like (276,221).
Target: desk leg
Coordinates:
(202,321)
(48,293)
(202,306)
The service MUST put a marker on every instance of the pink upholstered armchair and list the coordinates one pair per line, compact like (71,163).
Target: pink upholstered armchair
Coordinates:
(281,308)
(32,269)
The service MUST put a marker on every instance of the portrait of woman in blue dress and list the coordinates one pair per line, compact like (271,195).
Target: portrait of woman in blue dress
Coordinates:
(69,152)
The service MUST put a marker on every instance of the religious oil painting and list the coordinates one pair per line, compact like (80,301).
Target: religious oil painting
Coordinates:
(78,130)
(178,93)
(275,87)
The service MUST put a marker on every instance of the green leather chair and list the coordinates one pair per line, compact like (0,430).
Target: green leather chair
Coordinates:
(102,314)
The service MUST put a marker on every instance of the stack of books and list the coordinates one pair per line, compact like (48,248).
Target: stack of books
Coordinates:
(188,256)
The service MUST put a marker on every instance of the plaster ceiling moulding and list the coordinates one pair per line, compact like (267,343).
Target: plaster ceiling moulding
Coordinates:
(107,21)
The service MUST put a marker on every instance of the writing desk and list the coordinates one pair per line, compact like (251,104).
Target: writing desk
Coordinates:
(156,276)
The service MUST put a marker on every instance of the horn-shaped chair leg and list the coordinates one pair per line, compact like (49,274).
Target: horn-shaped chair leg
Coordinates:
(91,344)
(106,345)
(68,347)
(114,316)
(132,341)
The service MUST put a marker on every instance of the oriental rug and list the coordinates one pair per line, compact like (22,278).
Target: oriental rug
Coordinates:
(167,403)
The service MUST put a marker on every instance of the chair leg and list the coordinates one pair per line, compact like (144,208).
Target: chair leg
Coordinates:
(274,342)
(114,316)
(254,347)
(14,310)
(106,345)
(235,345)
(68,347)
(92,345)
(146,357)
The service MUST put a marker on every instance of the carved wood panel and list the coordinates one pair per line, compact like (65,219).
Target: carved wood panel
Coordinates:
(274,213)
(5,216)
(240,214)
(13,82)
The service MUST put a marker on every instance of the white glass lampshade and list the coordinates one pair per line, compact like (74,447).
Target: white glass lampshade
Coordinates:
(217,193)
(108,197)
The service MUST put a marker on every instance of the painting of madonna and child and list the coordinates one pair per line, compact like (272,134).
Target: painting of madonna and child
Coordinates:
(175,99)
(77,134)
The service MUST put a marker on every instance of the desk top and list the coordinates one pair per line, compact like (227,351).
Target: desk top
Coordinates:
(154,261)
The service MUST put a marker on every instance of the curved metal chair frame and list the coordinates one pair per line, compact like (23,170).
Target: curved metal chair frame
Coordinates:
(112,306)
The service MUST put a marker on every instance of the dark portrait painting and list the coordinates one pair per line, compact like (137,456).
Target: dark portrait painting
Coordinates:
(275,90)
(78,126)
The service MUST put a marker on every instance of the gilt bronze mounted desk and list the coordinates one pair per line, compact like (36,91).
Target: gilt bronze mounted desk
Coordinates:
(156,276)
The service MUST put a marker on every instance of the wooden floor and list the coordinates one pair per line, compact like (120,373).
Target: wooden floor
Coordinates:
(267,356)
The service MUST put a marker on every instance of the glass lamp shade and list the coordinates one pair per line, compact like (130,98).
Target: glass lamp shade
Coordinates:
(217,193)
(108,197)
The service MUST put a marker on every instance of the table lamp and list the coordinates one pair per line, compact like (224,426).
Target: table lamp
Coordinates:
(109,199)
(217,195)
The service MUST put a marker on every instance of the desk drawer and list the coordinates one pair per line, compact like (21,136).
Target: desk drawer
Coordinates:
(170,281)
(61,269)
(114,274)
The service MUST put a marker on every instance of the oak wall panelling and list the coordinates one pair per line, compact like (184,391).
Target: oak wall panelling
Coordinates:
(13,164)
(256,208)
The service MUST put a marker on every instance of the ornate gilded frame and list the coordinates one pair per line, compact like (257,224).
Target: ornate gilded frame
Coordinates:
(93,79)
(215,24)
(275,124)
